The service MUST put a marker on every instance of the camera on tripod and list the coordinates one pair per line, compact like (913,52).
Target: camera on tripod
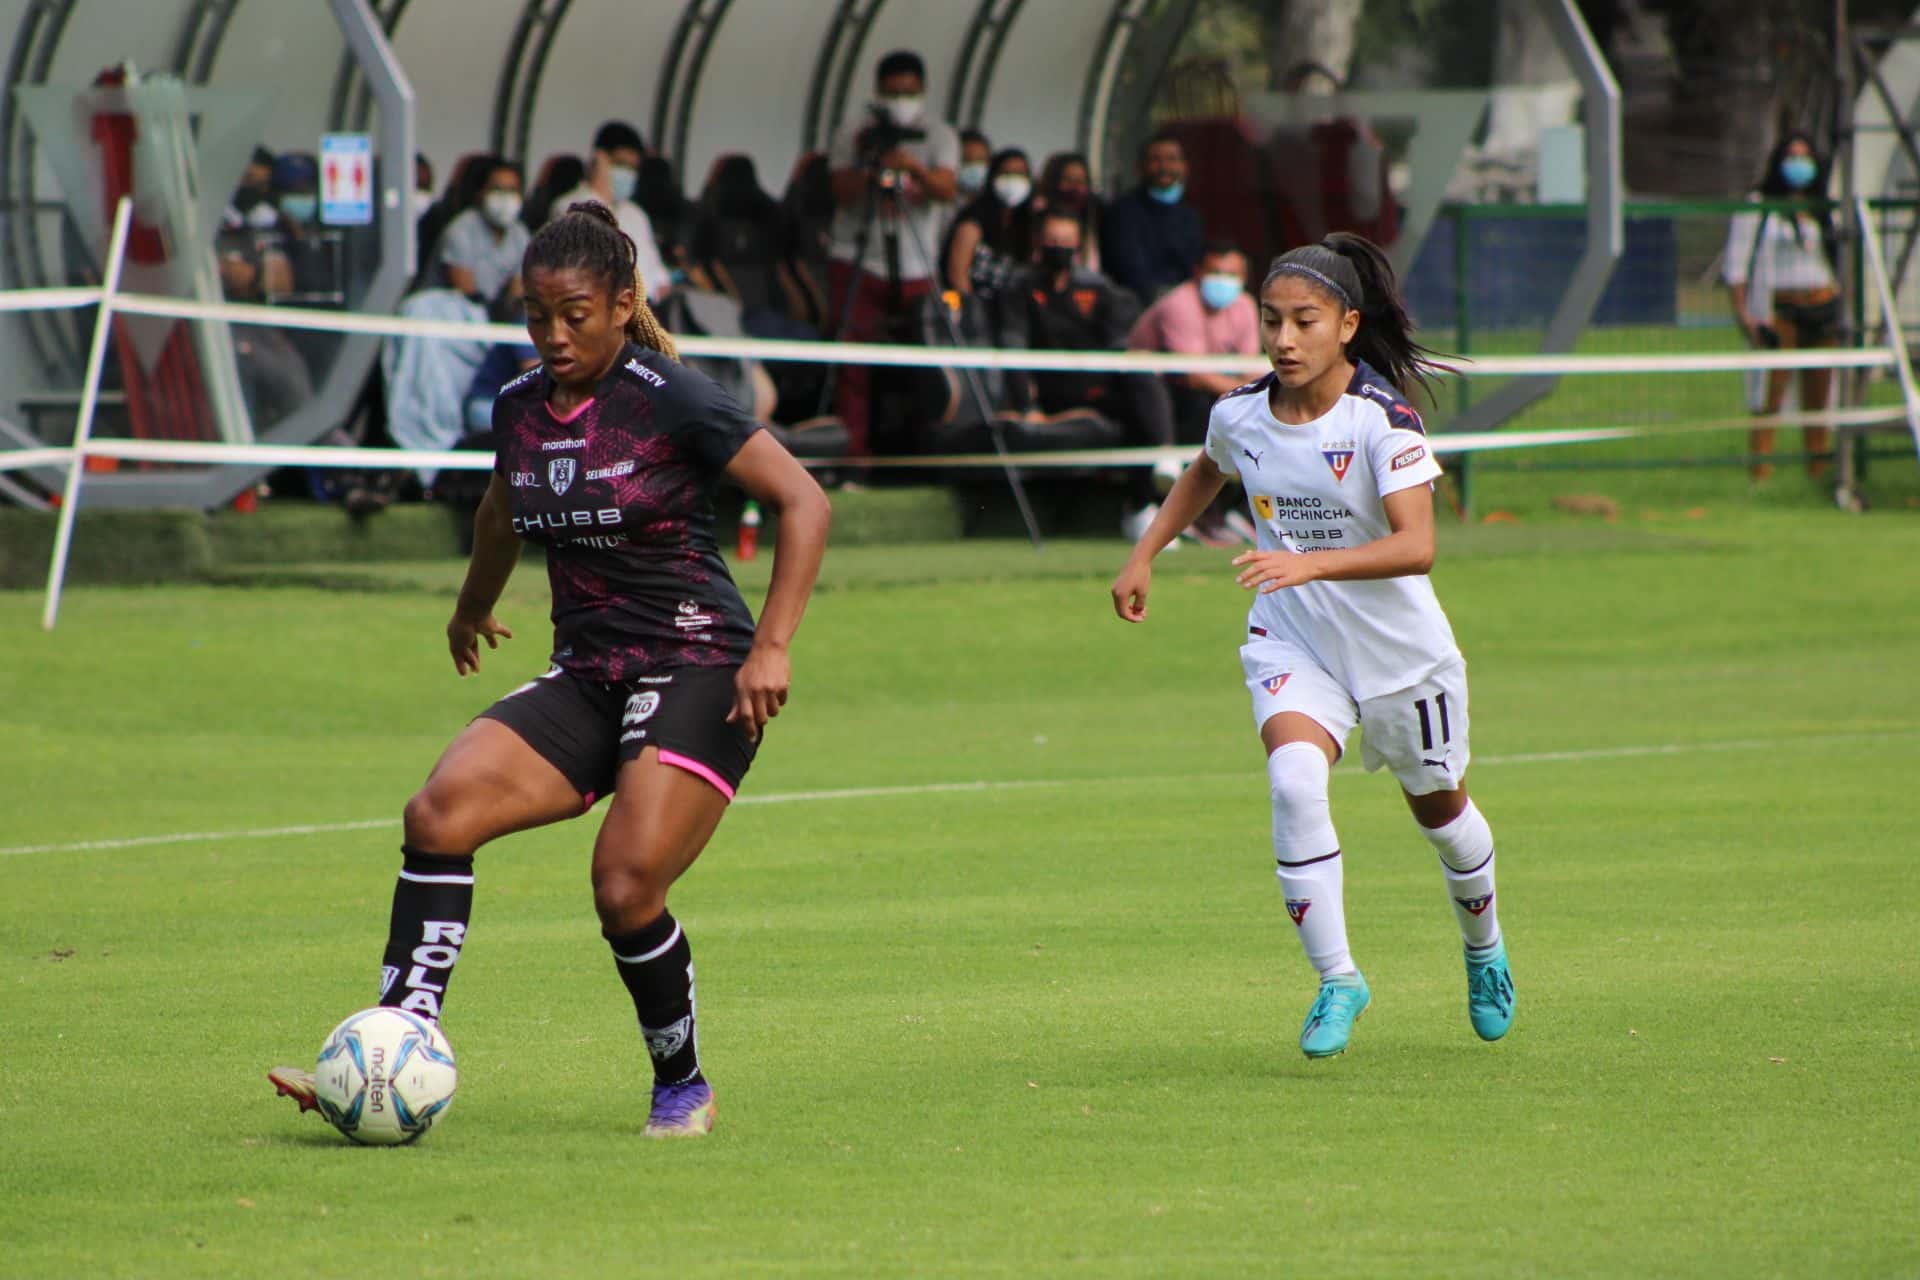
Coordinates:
(882,136)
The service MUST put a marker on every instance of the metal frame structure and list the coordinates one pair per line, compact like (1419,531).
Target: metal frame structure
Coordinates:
(55,343)
(1606,223)
(979,59)
(679,87)
(519,85)
(833,70)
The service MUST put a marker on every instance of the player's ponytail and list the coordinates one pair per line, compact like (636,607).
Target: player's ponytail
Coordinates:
(588,237)
(1355,273)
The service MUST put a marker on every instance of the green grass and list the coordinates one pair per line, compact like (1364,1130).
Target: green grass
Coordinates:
(1033,1029)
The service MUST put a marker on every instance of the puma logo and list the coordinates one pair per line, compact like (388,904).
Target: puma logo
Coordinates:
(1252,456)
(1441,763)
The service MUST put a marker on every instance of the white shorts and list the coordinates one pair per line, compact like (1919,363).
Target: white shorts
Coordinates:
(1420,733)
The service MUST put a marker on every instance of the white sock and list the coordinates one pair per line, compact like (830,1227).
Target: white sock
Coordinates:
(1465,846)
(1310,867)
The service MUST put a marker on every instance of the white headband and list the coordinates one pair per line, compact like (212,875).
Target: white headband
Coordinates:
(1333,286)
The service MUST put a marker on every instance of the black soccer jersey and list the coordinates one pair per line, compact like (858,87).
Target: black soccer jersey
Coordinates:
(620,494)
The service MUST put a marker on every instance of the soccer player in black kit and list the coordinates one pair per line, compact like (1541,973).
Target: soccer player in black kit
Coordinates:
(661,685)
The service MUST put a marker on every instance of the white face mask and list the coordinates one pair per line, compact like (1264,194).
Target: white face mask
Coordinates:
(501,208)
(262,216)
(422,201)
(1012,188)
(906,111)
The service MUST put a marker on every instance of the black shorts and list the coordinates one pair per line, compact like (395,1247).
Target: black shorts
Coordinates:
(588,728)
(1816,325)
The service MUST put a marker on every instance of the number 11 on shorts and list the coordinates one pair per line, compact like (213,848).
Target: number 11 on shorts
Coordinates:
(1426,722)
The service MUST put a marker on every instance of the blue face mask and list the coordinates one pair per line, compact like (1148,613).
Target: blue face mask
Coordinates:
(1799,171)
(298,207)
(1168,195)
(1219,292)
(621,182)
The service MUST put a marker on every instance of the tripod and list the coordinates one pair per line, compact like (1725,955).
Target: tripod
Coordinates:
(884,185)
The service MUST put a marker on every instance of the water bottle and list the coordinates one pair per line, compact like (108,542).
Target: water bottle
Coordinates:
(749,545)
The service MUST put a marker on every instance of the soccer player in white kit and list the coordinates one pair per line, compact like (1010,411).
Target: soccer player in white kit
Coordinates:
(1345,629)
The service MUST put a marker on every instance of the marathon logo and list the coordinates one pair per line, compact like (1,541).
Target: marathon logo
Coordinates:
(1407,457)
(550,445)
(609,473)
(645,374)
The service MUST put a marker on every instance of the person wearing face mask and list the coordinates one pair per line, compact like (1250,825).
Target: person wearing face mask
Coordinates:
(992,237)
(1152,236)
(976,164)
(481,248)
(1058,306)
(1066,186)
(1210,314)
(897,148)
(1778,266)
(613,176)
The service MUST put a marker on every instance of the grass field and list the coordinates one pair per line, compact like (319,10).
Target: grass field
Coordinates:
(1022,998)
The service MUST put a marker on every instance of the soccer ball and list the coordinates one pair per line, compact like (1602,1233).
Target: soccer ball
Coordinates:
(384,1076)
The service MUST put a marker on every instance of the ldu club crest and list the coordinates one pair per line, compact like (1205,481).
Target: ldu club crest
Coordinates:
(560,473)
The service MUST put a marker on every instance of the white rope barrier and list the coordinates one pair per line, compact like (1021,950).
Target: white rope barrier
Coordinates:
(907,356)
(338,457)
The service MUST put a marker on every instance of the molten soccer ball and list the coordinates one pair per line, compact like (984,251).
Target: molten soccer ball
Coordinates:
(384,1076)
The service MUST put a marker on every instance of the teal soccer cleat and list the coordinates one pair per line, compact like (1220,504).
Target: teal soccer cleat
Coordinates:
(1490,993)
(1329,1025)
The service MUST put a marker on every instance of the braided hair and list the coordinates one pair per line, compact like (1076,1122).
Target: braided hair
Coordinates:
(1354,272)
(587,237)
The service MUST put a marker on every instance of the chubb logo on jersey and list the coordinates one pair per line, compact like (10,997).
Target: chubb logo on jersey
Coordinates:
(560,473)
(1339,456)
(1297,908)
(1407,457)
(566,520)
(645,374)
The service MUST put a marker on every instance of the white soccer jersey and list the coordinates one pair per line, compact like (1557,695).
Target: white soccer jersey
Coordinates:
(1321,486)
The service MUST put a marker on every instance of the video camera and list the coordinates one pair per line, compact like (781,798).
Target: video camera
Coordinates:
(882,135)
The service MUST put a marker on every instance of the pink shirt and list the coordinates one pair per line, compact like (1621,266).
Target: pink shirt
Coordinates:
(1180,322)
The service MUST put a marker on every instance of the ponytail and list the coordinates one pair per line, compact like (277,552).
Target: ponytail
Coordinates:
(588,237)
(1355,273)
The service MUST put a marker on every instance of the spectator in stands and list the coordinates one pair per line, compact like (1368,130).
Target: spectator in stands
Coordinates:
(1150,240)
(976,158)
(1066,186)
(311,252)
(894,147)
(1210,314)
(668,208)
(806,231)
(1779,267)
(613,177)
(992,238)
(480,250)
(1057,305)
(736,245)
(561,173)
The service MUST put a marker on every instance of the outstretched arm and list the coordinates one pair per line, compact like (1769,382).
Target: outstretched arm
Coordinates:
(772,477)
(496,550)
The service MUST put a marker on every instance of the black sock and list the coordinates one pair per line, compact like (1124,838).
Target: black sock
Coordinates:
(657,965)
(431,903)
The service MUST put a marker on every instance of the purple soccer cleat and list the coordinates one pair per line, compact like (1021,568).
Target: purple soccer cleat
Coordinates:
(681,1111)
